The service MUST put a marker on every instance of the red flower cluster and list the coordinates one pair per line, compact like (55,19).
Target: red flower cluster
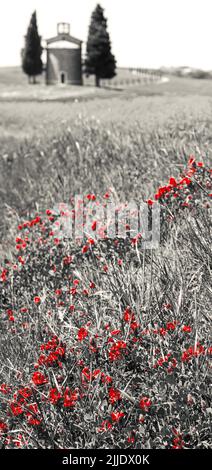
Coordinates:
(170,326)
(26,403)
(16,409)
(22,394)
(21,244)
(192,352)
(30,223)
(21,406)
(31,415)
(129,317)
(115,352)
(88,375)
(114,395)
(3,275)
(54,396)
(167,361)
(91,197)
(106,379)
(70,398)
(57,353)
(179,189)
(5,389)
(51,345)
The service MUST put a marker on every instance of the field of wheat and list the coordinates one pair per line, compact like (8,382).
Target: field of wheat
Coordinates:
(106,344)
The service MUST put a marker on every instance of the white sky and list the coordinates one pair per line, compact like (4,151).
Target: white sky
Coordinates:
(144,33)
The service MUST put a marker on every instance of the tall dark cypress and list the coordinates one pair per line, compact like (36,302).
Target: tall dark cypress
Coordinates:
(99,59)
(31,59)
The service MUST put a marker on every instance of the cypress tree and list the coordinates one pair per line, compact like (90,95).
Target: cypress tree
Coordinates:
(31,58)
(99,59)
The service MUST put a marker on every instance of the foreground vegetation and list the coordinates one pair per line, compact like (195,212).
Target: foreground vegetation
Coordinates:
(105,344)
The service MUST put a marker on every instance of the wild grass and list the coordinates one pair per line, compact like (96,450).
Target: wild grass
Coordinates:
(109,347)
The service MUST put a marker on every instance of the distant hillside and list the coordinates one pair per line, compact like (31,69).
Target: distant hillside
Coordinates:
(187,71)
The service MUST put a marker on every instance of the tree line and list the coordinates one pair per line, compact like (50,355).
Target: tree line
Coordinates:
(99,60)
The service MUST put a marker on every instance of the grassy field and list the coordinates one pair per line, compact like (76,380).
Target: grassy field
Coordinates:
(103,337)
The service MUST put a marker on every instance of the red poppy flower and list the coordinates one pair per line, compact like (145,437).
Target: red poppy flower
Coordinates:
(106,378)
(39,379)
(173,182)
(82,333)
(186,328)
(54,396)
(145,403)
(115,332)
(3,427)
(115,351)
(86,373)
(114,395)
(177,442)
(91,197)
(25,392)
(96,373)
(185,180)
(191,160)
(192,352)
(73,291)
(3,276)
(33,407)
(58,292)
(91,241)
(37,300)
(116,415)
(128,315)
(170,326)
(70,398)
(16,409)
(93,226)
